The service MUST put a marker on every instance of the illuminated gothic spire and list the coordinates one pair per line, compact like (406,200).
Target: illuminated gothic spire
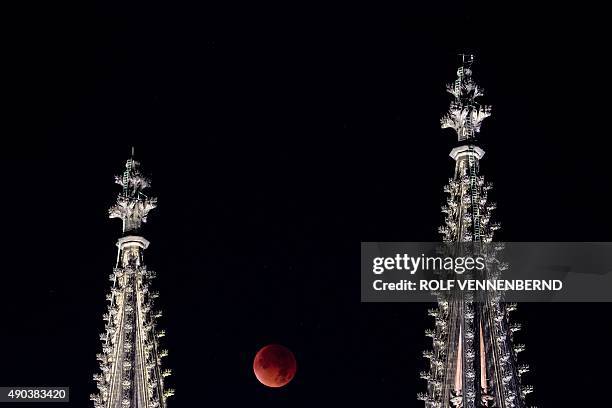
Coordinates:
(473,362)
(131,375)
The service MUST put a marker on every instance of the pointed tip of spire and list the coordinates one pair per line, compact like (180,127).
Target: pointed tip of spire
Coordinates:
(132,151)
(466,57)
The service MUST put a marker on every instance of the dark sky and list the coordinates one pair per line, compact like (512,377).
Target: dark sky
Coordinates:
(279,136)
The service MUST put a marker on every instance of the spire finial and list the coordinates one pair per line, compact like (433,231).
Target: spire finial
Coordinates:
(465,113)
(467,58)
(132,204)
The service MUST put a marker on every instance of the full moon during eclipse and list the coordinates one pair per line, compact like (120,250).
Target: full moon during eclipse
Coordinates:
(274,365)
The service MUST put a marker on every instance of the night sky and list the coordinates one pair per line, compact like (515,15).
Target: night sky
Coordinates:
(279,136)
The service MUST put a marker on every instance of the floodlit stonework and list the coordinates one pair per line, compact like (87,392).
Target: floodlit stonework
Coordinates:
(131,374)
(473,362)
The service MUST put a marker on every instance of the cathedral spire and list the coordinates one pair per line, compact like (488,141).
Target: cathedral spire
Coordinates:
(131,374)
(474,358)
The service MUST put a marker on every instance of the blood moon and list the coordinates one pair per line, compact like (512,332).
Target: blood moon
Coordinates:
(274,365)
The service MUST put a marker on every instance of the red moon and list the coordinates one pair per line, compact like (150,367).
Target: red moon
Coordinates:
(274,365)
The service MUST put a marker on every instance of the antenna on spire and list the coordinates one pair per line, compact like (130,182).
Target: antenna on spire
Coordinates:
(132,152)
